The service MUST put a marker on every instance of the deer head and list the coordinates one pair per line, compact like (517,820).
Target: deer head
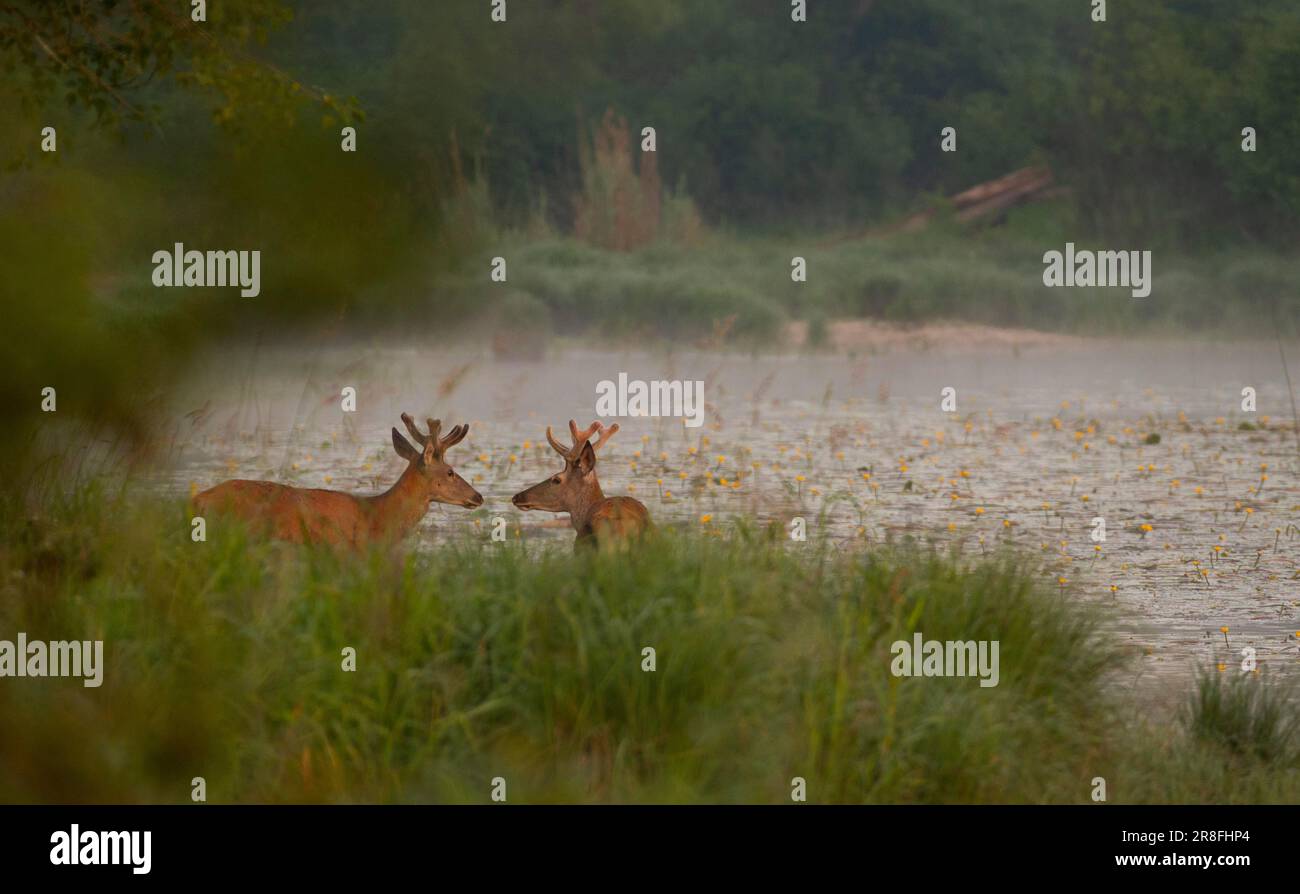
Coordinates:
(440,482)
(574,487)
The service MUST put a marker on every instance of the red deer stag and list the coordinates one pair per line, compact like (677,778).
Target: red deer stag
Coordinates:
(598,519)
(309,515)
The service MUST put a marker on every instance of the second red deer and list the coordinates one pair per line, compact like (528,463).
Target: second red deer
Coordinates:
(599,520)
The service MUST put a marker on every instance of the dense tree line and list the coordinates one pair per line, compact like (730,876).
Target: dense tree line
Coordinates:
(762,120)
(836,121)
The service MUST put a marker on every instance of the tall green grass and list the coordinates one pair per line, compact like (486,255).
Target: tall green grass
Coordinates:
(1251,722)
(477,660)
(986,276)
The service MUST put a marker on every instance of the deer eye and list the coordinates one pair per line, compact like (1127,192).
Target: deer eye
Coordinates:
(451,473)
(555,480)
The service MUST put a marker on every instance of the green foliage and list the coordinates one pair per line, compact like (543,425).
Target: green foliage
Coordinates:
(665,290)
(836,122)
(1153,138)
(109,57)
(994,278)
(817,329)
(1245,719)
(475,136)
(478,660)
(339,235)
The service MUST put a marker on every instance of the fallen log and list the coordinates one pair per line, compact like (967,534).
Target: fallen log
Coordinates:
(999,195)
(1025,180)
(982,200)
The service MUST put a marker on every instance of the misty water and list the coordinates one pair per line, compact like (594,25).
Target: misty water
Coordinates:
(1045,438)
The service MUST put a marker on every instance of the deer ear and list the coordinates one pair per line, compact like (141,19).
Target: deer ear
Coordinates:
(587,459)
(404,448)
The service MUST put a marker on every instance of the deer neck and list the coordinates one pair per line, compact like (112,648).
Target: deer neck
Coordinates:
(585,505)
(397,511)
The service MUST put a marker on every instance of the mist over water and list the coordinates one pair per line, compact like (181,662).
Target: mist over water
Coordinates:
(790,434)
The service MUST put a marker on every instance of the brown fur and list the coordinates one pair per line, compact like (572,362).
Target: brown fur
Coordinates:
(599,520)
(312,515)
(614,519)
